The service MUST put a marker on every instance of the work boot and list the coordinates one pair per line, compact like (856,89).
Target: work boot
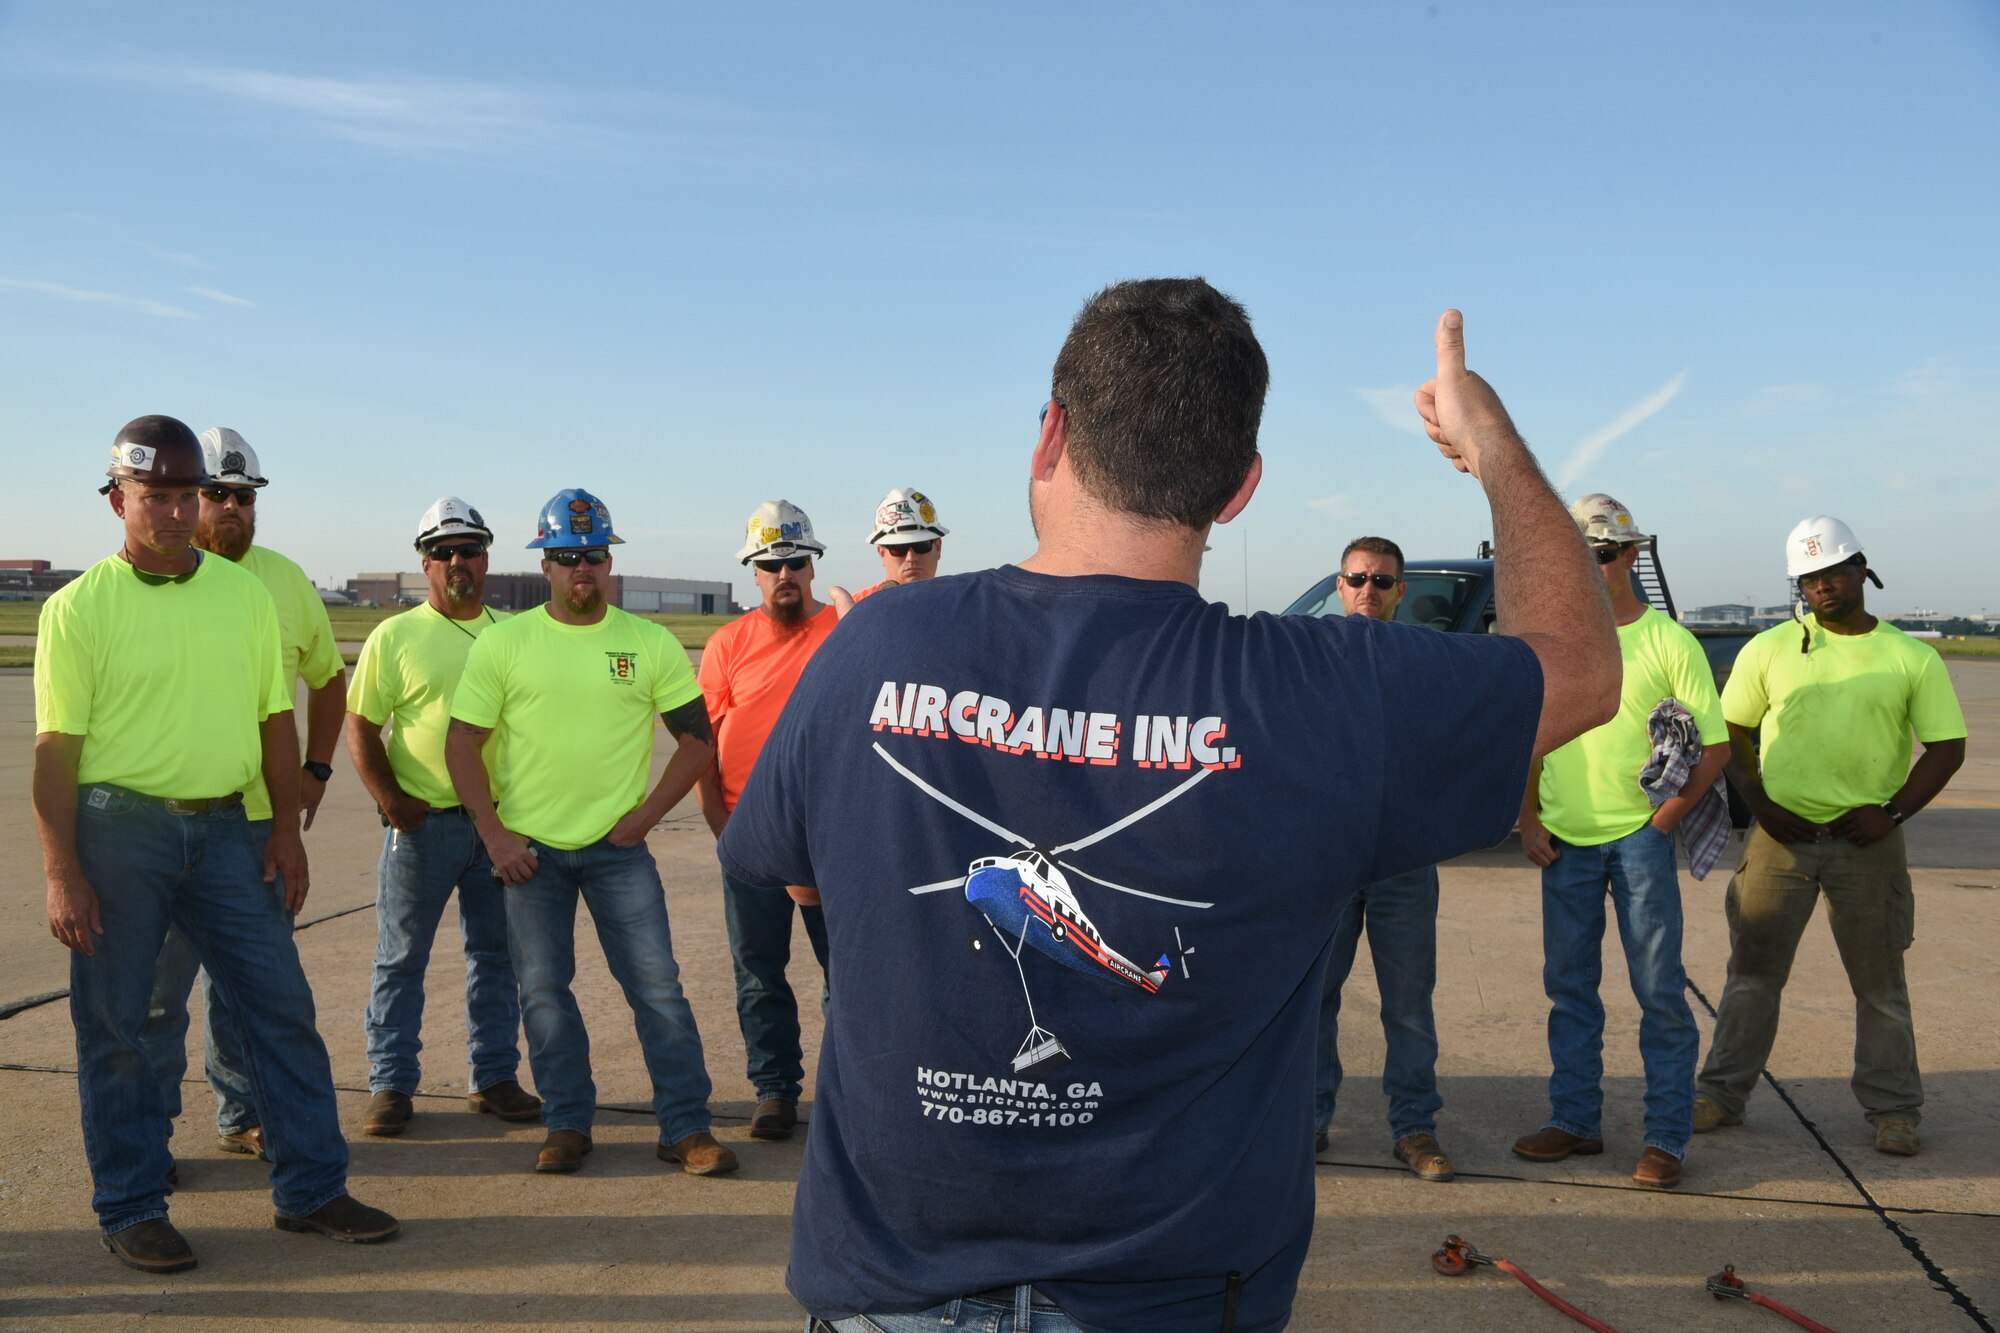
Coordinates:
(775,1118)
(1708,1114)
(244,1142)
(506,1099)
(1552,1145)
(1658,1169)
(151,1247)
(699,1155)
(1319,1142)
(346,1218)
(1896,1137)
(1421,1153)
(563,1150)
(389,1112)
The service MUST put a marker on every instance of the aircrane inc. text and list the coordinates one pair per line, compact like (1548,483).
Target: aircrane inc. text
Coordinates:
(1150,740)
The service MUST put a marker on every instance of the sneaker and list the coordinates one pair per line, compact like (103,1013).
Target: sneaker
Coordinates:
(506,1099)
(563,1151)
(1658,1169)
(151,1247)
(389,1112)
(775,1118)
(244,1142)
(699,1155)
(346,1218)
(1708,1114)
(1552,1145)
(1421,1153)
(1896,1137)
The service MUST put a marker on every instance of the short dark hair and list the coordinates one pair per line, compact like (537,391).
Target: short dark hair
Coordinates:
(1163,385)
(1374,546)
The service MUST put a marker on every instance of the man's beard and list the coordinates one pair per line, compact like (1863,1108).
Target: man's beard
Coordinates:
(230,543)
(460,591)
(582,604)
(787,613)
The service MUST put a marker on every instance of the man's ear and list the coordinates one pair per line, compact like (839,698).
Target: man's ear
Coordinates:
(1051,444)
(1243,492)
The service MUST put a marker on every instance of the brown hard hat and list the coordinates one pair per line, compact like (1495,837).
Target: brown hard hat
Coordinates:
(158,451)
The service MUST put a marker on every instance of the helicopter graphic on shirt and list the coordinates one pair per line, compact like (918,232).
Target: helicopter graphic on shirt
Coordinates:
(1026,899)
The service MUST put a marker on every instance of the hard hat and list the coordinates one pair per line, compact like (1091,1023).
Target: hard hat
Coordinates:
(778,530)
(230,458)
(906,516)
(158,451)
(574,518)
(1603,520)
(1819,542)
(450,516)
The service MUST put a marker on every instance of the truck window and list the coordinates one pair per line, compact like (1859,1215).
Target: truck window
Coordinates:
(1436,598)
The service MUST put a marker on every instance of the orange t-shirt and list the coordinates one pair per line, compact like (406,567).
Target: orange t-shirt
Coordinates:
(870,592)
(747,673)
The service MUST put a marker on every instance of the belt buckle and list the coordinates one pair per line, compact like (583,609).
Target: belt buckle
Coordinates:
(1823,834)
(175,807)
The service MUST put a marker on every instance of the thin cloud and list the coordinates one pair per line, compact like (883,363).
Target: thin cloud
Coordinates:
(1592,447)
(1395,407)
(220,298)
(1334,506)
(81,296)
(1779,399)
(168,256)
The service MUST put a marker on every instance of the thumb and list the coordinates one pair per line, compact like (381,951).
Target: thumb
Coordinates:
(1451,345)
(843,601)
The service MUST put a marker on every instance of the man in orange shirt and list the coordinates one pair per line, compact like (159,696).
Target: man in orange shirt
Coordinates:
(907,537)
(747,673)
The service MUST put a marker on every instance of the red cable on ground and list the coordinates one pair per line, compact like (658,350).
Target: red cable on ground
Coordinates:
(1456,1258)
(1759,1298)
(1727,1286)
(1507,1266)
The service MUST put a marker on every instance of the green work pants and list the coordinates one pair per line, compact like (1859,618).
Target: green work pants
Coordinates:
(1873,916)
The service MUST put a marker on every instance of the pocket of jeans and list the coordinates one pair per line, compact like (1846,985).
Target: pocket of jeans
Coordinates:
(109,802)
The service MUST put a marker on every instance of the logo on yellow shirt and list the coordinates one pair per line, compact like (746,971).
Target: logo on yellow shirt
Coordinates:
(624,667)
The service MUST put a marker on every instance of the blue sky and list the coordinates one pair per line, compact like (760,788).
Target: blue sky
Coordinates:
(1733,264)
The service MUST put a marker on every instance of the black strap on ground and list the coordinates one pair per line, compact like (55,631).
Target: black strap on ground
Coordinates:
(1909,1242)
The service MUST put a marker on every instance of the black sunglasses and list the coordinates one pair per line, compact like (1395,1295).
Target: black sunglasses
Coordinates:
(463,550)
(245,497)
(1382,581)
(1606,554)
(914,548)
(795,564)
(571,559)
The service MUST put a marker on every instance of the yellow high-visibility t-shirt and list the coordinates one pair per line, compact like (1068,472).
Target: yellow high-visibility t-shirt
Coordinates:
(305,637)
(404,680)
(166,683)
(572,707)
(1836,721)
(1590,790)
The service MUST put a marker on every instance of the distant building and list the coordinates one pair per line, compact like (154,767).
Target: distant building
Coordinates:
(519,592)
(1727,613)
(31,580)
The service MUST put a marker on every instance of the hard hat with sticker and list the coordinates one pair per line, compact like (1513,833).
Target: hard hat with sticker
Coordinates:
(778,529)
(1819,542)
(450,516)
(230,459)
(156,451)
(906,516)
(1602,520)
(574,518)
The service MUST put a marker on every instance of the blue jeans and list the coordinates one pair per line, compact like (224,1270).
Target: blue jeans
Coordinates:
(1400,914)
(622,888)
(204,875)
(167,1023)
(967,1314)
(760,944)
(414,879)
(1638,870)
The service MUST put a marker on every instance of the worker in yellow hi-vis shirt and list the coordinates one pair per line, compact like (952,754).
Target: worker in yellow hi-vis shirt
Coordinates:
(568,693)
(160,696)
(228,528)
(1835,702)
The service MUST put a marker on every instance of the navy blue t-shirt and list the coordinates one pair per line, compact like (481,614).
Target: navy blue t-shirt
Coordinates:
(1081,843)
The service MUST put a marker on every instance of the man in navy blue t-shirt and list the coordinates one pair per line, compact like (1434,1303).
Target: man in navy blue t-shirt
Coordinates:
(1082,837)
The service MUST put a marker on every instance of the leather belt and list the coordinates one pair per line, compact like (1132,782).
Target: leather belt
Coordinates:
(206,806)
(1005,1296)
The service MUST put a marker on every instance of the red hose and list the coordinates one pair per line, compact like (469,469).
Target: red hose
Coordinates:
(1509,1267)
(1758,1298)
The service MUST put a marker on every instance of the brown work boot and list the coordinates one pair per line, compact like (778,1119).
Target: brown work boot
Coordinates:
(699,1155)
(346,1218)
(388,1114)
(1896,1137)
(506,1099)
(563,1150)
(151,1247)
(1421,1153)
(1552,1145)
(775,1118)
(1708,1114)
(1658,1169)
(244,1142)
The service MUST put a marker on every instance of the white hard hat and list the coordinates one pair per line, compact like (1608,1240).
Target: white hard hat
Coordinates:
(1603,520)
(779,529)
(231,461)
(450,516)
(904,517)
(1819,542)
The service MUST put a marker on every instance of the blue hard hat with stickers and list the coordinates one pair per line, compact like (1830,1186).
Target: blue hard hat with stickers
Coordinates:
(574,518)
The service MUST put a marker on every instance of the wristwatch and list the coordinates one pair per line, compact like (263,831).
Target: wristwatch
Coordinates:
(1889,808)
(324,772)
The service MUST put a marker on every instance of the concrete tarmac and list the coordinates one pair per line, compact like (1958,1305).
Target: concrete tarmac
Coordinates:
(1796,1198)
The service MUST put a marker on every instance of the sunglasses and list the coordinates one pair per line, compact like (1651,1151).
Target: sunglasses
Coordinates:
(1382,581)
(1044,417)
(795,564)
(571,559)
(913,548)
(1606,554)
(464,551)
(243,495)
